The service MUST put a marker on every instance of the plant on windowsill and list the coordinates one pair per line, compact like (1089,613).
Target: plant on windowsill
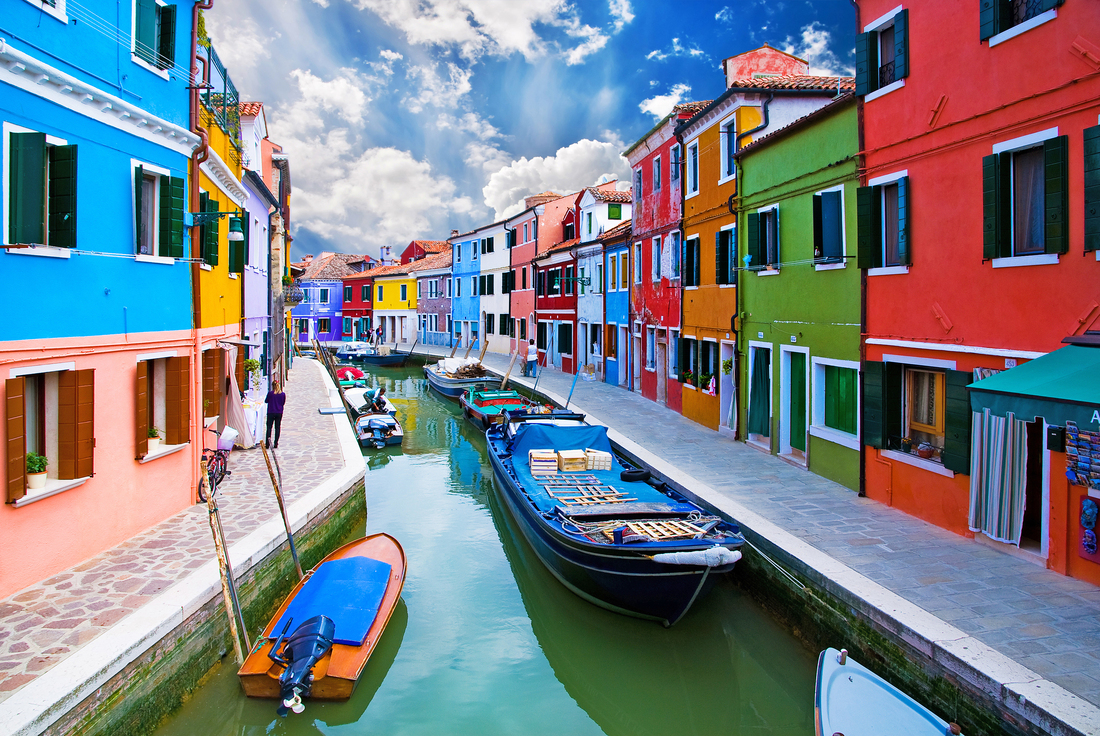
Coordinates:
(154,438)
(906,444)
(727,366)
(687,377)
(36,471)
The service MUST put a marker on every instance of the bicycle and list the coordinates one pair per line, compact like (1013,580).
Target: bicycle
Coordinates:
(217,467)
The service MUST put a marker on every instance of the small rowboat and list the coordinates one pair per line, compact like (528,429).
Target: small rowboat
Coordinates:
(452,386)
(852,700)
(335,617)
(361,399)
(378,430)
(382,357)
(485,407)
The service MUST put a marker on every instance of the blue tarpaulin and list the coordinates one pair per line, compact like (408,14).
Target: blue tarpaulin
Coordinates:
(348,591)
(535,436)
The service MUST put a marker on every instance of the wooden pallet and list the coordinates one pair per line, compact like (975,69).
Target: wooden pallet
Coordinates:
(663,530)
(593,499)
(573,479)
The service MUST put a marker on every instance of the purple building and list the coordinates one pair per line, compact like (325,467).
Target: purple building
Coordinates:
(433,298)
(320,315)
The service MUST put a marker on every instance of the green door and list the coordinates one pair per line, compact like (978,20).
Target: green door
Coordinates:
(798,401)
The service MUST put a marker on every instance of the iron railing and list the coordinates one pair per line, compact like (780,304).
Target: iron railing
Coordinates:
(886,74)
(221,98)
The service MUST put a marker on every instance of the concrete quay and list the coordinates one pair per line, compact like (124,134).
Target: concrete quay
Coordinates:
(1024,636)
(67,644)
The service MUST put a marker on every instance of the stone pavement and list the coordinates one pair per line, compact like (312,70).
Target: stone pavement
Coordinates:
(1045,621)
(42,625)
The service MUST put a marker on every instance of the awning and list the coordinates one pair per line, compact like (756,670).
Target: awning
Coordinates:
(1060,386)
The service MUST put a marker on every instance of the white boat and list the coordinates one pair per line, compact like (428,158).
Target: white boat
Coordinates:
(360,399)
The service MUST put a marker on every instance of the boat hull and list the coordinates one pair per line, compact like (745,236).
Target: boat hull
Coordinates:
(392,359)
(367,440)
(479,416)
(613,577)
(337,673)
(452,388)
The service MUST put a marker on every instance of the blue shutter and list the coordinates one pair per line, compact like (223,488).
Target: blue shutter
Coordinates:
(905,256)
(901,44)
(1056,154)
(866,63)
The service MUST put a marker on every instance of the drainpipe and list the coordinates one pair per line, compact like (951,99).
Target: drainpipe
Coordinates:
(860,168)
(737,141)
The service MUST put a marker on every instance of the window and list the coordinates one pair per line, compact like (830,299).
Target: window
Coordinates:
(611,343)
(489,281)
(693,169)
(41,180)
(450,287)
(568,276)
(614,211)
(725,256)
(324,296)
(540,282)
(155,33)
(347,325)
(882,54)
(836,401)
(673,353)
(828,227)
(729,148)
(505,326)
(651,348)
(523,277)
(1024,194)
(487,245)
(624,271)
(637,191)
(458,253)
(998,17)
(523,328)
(691,262)
(613,273)
(637,263)
(655,255)
(324,325)
(490,319)
(674,165)
(763,239)
(419,290)
(555,281)
(347,293)
(404,292)
(364,293)
(526,237)
(474,285)
(657,174)
(540,336)
(599,278)
(882,215)
(567,231)
(379,292)
(594,332)
(689,360)
(580,282)
(588,221)
(675,247)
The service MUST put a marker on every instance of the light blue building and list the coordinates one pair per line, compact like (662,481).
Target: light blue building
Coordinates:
(617,270)
(465,299)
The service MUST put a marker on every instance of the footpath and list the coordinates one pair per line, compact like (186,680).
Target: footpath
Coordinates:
(66,636)
(1035,624)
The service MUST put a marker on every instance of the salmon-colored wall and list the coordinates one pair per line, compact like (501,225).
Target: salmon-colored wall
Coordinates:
(1065,525)
(123,497)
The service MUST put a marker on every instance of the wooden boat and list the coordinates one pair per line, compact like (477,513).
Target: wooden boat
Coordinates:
(382,357)
(378,430)
(350,351)
(360,400)
(485,407)
(355,589)
(610,534)
(452,387)
(852,700)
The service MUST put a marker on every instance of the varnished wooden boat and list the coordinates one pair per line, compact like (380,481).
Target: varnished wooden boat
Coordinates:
(484,407)
(337,672)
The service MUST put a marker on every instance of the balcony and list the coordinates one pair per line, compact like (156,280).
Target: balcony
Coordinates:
(220,100)
(293,294)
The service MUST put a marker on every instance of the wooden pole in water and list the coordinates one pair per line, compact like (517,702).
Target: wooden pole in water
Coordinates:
(504,383)
(282,510)
(468,349)
(223,562)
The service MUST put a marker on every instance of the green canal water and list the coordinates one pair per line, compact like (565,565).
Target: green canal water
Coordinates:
(486,641)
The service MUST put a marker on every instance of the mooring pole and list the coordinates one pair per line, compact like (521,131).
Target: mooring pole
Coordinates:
(576,375)
(282,510)
(228,596)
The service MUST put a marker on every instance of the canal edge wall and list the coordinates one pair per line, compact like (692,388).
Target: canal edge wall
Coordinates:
(140,670)
(830,604)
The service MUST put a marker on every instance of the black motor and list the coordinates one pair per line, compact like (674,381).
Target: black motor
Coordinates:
(304,649)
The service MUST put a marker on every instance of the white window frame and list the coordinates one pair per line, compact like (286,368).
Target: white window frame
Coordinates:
(655,254)
(57,13)
(1022,143)
(475,246)
(673,168)
(673,352)
(878,24)
(843,234)
(773,270)
(723,139)
(689,171)
(657,180)
(162,73)
(1027,25)
(638,263)
(817,410)
(651,354)
(877,181)
(51,140)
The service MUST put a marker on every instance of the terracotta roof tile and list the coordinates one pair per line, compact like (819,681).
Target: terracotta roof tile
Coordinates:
(616,196)
(332,266)
(796,81)
(619,231)
(431,262)
(559,247)
(251,108)
(691,107)
(433,246)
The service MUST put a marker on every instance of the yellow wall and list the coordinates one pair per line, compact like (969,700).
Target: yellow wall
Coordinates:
(220,295)
(391,292)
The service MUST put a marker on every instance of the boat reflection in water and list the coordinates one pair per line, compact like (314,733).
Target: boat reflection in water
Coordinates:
(725,668)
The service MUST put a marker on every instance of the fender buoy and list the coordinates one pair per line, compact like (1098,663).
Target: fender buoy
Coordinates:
(635,474)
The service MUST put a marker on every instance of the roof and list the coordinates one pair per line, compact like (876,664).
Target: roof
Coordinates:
(431,262)
(251,108)
(391,270)
(332,266)
(433,246)
(622,230)
(684,107)
(1059,386)
(691,107)
(616,196)
(796,81)
(769,48)
(558,248)
(833,106)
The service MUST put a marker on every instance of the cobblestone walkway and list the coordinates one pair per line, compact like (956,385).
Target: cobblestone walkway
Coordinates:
(1045,621)
(43,624)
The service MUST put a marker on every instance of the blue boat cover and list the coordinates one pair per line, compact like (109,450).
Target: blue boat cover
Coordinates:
(534,436)
(348,591)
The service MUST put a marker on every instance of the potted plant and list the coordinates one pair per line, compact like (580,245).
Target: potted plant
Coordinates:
(154,438)
(252,369)
(687,377)
(36,471)
(727,366)
(906,444)
(925,450)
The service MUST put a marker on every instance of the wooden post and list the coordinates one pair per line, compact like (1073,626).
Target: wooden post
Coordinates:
(223,562)
(454,347)
(468,349)
(282,510)
(504,383)
(484,347)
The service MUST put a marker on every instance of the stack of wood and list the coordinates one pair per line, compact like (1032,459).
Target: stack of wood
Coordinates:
(543,462)
(476,370)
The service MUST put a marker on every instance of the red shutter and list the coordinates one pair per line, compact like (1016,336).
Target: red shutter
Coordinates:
(141,410)
(17,445)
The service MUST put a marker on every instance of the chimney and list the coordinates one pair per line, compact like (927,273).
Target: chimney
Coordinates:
(308,257)
(454,233)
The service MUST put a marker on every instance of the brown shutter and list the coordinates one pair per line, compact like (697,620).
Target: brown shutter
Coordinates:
(17,444)
(177,400)
(209,384)
(141,410)
(75,428)
(241,385)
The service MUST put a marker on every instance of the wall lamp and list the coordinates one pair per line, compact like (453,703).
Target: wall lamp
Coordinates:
(198,219)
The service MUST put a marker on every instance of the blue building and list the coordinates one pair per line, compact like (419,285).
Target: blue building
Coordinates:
(95,165)
(617,276)
(465,299)
(320,314)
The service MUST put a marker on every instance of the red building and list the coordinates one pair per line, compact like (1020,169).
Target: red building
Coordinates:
(656,160)
(980,127)
(535,229)
(556,301)
(357,306)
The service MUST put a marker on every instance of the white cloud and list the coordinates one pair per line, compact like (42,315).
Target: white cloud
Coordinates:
(725,15)
(486,156)
(571,168)
(241,45)
(813,46)
(437,91)
(677,49)
(471,123)
(593,39)
(661,105)
(621,12)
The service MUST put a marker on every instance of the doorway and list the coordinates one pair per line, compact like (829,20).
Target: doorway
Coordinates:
(727,392)
(623,347)
(662,373)
(1031,533)
(636,362)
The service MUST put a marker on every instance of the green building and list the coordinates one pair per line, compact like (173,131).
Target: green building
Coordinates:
(799,293)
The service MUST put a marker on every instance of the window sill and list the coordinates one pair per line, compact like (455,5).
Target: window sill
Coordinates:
(1039,259)
(163,260)
(208,267)
(161,452)
(146,65)
(884,90)
(830,266)
(888,271)
(768,272)
(691,288)
(917,462)
(1024,27)
(53,487)
(689,195)
(56,13)
(727,178)
(726,286)
(42,251)
(234,276)
(835,436)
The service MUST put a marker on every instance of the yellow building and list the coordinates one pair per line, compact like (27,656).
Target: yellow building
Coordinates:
(395,303)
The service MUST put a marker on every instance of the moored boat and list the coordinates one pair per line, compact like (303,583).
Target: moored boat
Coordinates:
(378,430)
(608,532)
(382,356)
(485,407)
(349,351)
(451,376)
(361,399)
(852,700)
(318,642)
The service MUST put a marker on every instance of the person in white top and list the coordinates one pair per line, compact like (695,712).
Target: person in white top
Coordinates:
(532,359)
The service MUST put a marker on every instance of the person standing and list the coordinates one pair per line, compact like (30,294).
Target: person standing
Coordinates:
(532,358)
(275,401)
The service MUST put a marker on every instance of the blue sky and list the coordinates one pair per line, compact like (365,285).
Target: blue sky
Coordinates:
(409,118)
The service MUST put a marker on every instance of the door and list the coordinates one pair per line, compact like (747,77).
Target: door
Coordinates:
(760,395)
(797,405)
(1031,533)
(662,373)
(636,362)
(623,347)
(404,329)
(727,391)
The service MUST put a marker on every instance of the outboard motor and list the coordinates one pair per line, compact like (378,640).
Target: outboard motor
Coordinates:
(378,432)
(304,649)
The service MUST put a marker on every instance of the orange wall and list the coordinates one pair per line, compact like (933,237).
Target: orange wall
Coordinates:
(1065,525)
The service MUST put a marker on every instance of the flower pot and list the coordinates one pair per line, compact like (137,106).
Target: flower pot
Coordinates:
(925,451)
(154,443)
(36,481)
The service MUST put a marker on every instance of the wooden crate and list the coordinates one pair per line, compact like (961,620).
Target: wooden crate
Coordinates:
(597,459)
(543,462)
(572,461)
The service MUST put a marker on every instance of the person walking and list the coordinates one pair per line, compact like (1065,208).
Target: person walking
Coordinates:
(275,401)
(532,359)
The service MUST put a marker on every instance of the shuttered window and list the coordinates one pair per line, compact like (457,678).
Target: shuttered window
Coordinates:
(565,338)
(1025,201)
(141,409)
(997,16)
(725,257)
(75,424)
(41,191)
(15,428)
(1092,188)
(211,374)
(841,394)
(171,216)
(691,262)
(177,400)
(828,228)
(882,221)
(882,55)
(762,241)
(155,33)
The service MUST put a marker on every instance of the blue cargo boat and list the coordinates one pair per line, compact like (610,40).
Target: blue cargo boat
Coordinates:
(611,534)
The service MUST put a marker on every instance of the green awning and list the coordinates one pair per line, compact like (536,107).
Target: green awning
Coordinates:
(1060,386)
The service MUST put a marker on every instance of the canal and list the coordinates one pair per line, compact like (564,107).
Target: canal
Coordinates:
(486,641)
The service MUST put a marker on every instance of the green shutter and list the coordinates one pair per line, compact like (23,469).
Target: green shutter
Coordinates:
(901,44)
(246,243)
(201,245)
(61,221)
(957,420)
(819,232)
(874,404)
(905,256)
(145,30)
(992,186)
(1045,5)
(171,216)
(866,63)
(753,241)
(1092,188)
(27,192)
(989,18)
(868,227)
(696,257)
(719,259)
(139,179)
(166,40)
(1056,154)
(210,234)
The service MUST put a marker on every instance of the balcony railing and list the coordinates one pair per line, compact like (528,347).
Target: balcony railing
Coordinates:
(886,74)
(293,294)
(221,99)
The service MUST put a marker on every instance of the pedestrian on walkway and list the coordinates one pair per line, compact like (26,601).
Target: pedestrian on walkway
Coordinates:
(275,401)
(532,359)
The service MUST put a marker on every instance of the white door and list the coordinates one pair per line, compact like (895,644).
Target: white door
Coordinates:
(623,347)
(662,373)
